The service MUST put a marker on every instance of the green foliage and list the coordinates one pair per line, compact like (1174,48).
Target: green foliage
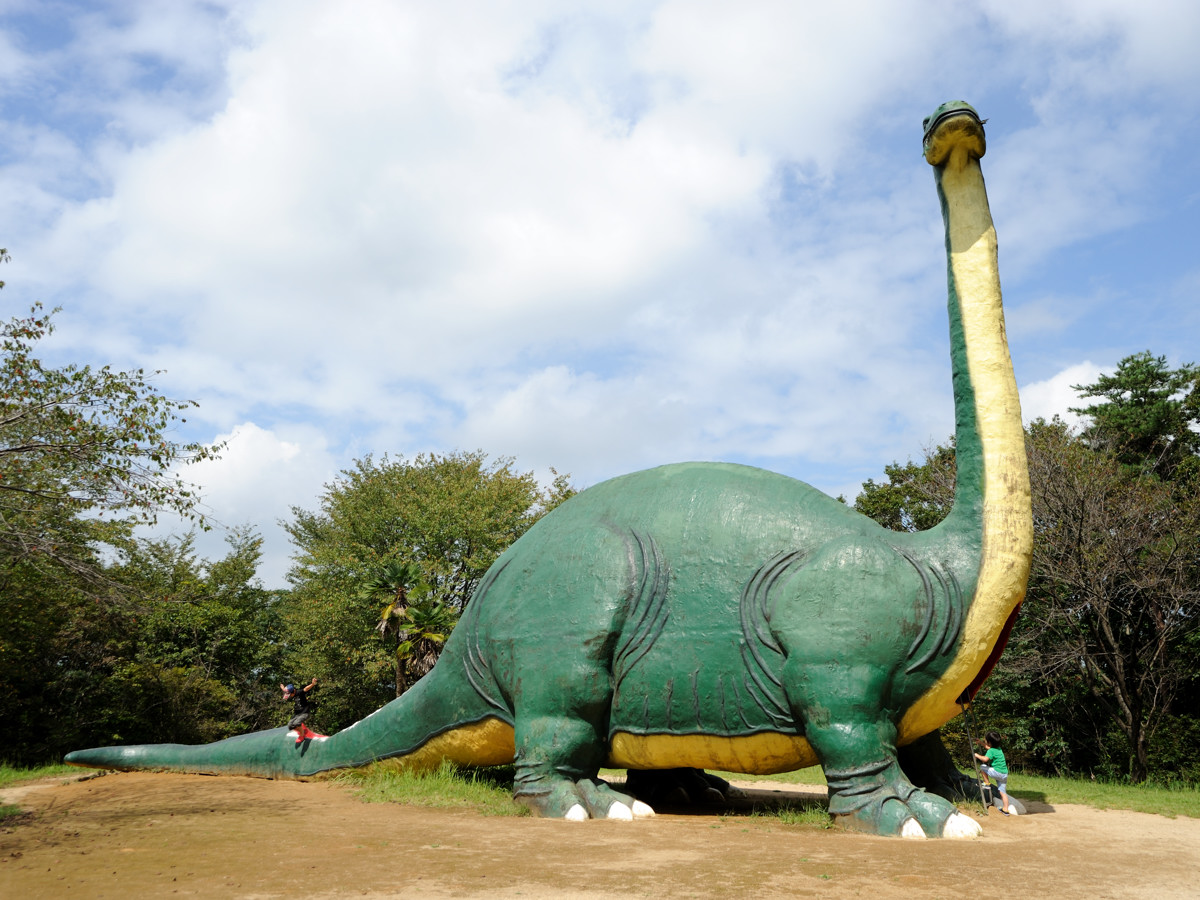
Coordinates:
(206,652)
(1173,755)
(1114,591)
(418,622)
(1148,413)
(446,516)
(916,496)
(175,650)
(77,440)
(103,638)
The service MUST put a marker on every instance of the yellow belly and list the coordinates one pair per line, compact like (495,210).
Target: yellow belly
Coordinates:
(756,754)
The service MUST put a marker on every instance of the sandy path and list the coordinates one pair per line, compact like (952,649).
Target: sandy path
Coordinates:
(141,835)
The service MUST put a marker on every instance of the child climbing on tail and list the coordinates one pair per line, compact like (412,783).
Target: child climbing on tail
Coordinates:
(302,707)
(994,765)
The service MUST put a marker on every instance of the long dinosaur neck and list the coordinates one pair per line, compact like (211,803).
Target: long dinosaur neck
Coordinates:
(992,493)
(991,524)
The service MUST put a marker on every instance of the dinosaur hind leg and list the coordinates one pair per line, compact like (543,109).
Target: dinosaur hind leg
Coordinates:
(559,754)
(856,743)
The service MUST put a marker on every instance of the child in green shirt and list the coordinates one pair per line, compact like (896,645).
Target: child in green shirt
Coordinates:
(994,765)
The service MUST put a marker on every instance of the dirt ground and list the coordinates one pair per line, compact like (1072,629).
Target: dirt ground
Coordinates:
(139,835)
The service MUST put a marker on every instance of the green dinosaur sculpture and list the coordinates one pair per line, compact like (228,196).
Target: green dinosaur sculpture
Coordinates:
(720,616)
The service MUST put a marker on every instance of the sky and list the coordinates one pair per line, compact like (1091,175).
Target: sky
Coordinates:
(596,237)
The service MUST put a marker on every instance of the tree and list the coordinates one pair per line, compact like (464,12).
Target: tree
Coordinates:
(1148,414)
(76,440)
(916,496)
(418,623)
(449,515)
(205,652)
(1115,585)
(163,647)
(85,456)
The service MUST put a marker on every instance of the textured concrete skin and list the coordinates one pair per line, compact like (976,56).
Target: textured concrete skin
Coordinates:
(719,616)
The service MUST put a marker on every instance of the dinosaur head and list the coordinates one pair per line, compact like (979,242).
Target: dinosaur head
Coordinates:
(953,124)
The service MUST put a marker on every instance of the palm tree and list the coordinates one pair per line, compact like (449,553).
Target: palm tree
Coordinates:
(418,621)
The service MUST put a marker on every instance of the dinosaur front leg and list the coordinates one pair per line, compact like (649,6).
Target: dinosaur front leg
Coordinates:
(841,707)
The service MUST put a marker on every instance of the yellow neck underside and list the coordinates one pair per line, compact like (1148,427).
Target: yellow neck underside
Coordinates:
(1007,516)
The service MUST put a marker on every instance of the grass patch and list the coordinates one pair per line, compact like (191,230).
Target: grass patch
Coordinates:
(487,790)
(803,814)
(9,811)
(799,813)
(1163,800)
(10,775)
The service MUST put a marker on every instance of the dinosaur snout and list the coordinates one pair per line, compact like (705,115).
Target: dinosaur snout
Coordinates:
(953,124)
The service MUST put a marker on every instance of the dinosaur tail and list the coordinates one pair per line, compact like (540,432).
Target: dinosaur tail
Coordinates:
(443,716)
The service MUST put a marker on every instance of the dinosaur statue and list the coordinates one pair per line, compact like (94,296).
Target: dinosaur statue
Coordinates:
(719,616)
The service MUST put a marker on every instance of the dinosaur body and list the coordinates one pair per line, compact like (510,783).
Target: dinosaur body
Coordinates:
(720,616)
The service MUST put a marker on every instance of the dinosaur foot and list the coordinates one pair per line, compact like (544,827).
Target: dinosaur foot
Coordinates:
(957,826)
(877,799)
(588,798)
(679,787)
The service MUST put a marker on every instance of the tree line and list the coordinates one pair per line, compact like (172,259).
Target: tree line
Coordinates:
(108,637)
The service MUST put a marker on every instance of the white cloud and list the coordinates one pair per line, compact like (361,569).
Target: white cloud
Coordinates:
(596,237)
(1069,179)
(1107,46)
(13,62)
(377,191)
(1054,396)
(259,476)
